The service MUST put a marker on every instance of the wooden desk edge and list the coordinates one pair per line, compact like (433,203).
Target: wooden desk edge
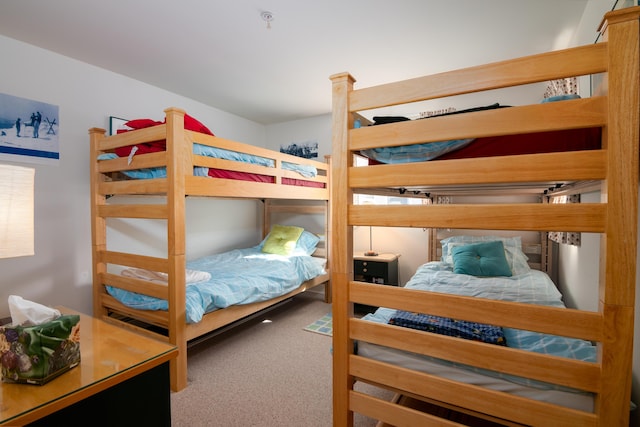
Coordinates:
(89,391)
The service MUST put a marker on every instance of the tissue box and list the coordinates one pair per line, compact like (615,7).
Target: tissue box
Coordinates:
(37,354)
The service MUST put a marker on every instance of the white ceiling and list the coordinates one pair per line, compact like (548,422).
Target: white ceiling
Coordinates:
(221,53)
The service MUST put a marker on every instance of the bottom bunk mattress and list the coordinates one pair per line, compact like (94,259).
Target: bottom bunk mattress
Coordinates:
(239,276)
(528,286)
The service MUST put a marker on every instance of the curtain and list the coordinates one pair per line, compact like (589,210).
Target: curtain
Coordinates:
(561,236)
(568,86)
(554,88)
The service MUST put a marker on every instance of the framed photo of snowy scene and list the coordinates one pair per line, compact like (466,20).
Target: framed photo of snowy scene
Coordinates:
(28,130)
(307,149)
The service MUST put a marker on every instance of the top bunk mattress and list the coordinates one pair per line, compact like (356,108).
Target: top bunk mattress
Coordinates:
(304,171)
(493,146)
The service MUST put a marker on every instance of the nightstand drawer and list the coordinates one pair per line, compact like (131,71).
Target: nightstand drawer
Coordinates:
(370,268)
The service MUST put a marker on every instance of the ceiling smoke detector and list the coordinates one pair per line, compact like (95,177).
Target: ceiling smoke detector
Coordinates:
(267,17)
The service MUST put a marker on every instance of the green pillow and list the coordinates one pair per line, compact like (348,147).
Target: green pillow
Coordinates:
(282,239)
(485,259)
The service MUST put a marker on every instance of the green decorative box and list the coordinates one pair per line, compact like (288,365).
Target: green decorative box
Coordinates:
(37,354)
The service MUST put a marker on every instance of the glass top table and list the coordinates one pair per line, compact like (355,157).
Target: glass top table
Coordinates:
(109,356)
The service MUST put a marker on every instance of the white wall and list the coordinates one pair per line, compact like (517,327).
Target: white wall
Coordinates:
(60,271)
(578,267)
(302,131)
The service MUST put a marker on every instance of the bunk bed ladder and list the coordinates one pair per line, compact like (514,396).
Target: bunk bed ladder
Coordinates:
(173,212)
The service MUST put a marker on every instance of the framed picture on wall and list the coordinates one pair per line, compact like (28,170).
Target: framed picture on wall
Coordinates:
(29,130)
(115,123)
(307,149)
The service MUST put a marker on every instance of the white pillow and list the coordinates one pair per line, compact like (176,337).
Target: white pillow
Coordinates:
(191,276)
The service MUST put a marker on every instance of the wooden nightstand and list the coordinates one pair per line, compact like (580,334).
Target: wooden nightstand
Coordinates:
(381,269)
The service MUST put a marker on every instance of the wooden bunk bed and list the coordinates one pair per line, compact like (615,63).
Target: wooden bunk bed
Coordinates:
(614,166)
(175,181)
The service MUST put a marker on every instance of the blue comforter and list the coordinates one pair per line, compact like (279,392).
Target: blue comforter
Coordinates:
(240,276)
(306,171)
(533,287)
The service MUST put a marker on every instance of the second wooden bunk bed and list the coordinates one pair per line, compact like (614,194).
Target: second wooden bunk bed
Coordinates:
(615,166)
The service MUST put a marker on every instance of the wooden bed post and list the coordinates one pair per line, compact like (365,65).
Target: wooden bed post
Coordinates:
(328,290)
(341,249)
(178,165)
(266,217)
(98,224)
(620,192)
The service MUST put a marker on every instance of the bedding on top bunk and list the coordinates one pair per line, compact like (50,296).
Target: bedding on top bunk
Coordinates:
(205,150)
(239,276)
(504,145)
(525,285)
(305,171)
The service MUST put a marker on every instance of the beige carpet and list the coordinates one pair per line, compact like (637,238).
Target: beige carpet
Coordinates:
(266,372)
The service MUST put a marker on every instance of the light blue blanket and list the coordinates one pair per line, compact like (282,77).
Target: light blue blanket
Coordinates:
(533,287)
(415,152)
(240,276)
(306,171)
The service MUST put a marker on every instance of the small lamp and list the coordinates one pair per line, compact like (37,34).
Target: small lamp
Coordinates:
(371,252)
(16,211)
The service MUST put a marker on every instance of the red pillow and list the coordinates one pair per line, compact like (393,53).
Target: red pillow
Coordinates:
(192,124)
(148,147)
(142,123)
(151,147)
(189,124)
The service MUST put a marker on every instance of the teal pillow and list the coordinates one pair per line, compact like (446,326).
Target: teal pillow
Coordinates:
(485,259)
(282,239)
(518,261)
